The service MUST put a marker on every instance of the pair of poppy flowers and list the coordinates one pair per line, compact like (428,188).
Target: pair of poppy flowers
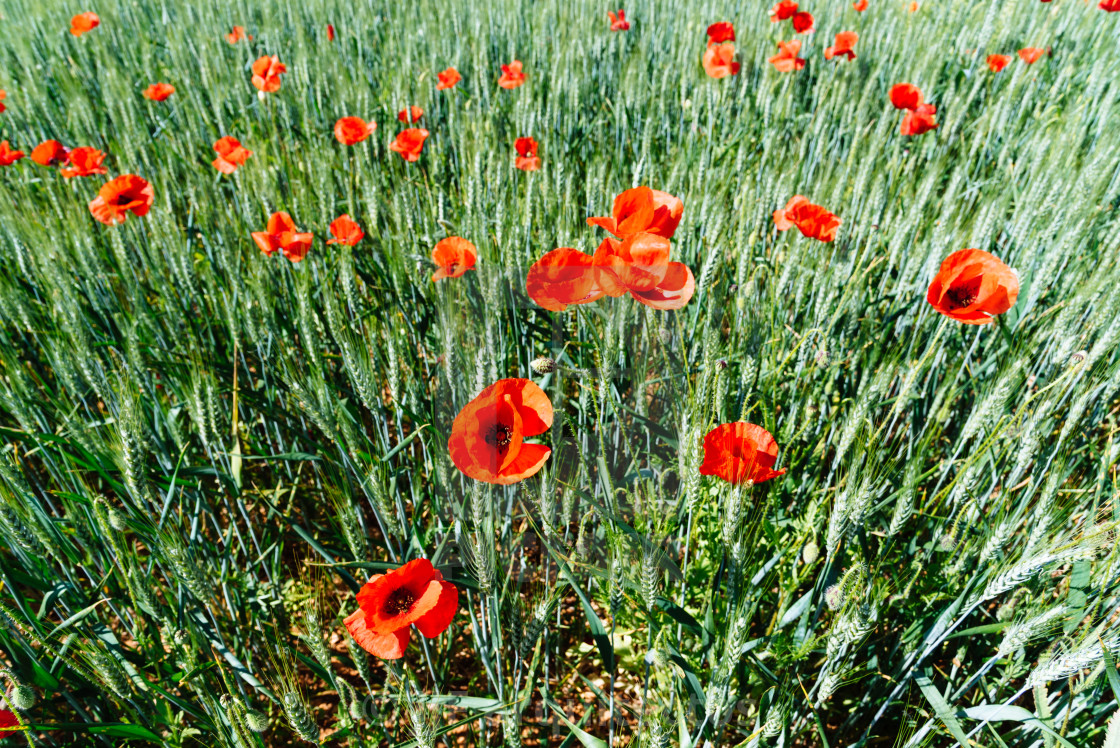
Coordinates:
(811,220)
(920,117)
(281,234)
(719,57)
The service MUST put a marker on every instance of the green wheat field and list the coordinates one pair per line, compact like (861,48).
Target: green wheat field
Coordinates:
(207,450)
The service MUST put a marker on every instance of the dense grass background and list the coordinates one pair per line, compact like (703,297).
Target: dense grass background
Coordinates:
(206,451)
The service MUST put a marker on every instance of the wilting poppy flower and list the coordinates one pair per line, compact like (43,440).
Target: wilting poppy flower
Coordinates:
(389,604)
(1110,6)
(3,95)
(561,278)
(803,23)
(488,436)
(905,96)
(619,22)
(83,22)
(527,159)
(843,46)
(1030,55)
(447,79)
(330,32)
(787,61)
(512,77)
(642,210)
(410,114)
(997,63)
(158,91)
(118,197)
(973,286)
(811,220)
(353,130)
(721,32)
(266,73)
(8,156)
(454,256)
(237,34)
(281,233)
(409,143)
(83,162)
(783,11)
(719,60)
(49,153)
(860,6)
(919,120)
(231,154)
(739,452)
(639,265)
(345,231)
(9,723)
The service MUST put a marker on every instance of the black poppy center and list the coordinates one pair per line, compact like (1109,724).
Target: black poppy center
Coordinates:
(499,435)
(960,297)
(399,602)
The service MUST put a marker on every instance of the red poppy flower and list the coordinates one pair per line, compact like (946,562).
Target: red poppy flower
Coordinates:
(409,143)
(739,452)
(266,73)
(860,6)
(973,286)
(345,231)
(237,34)
(719,60)
(1110,6)
(905,96)
(281,233)
(158,91)
(330,32)
(353,130)
(811,220)
(997,63)
(389,604)
(49,153)
(561,278)
(3,95)
(118,197)
(527,159)
(410,114)
(913,8)
(803,23)
(83,22)
(639,265)
(9,723)
(920,120)
(8,156)
(488,436)
(231,154)
(1030,55)
(642,209)
(447,79)
(787,61)
(454,256)
(783,11)
(721,32)
(83,162)
(619,22)
(512,77)
(845,41)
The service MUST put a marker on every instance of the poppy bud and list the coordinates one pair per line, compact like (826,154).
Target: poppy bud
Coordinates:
(811,552)
(1078,357)
(117,519)
(821,357)
(834,596)
(721,364)
(256,721)
(23,697)
(543,365)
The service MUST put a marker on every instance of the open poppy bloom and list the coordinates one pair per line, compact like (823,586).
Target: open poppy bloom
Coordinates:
(997,63)
(454,256)
(8,156)
(410,114)
(740,452)
(49,153)
(118,197)
(561,278)
(488,436)
(642,210)
(389,604)
(409,143)
(1110,6)
(282,234)
(1030,55)
(512,77)
(3,95)
(721,32)
(83,22)
(905,96)
(860,6)
(527,159)
(843,46)
(787,61)
(919,120)
(330,32)
(9,723)
(231,154)
(811,220)
(803,23)
(345,230)
(447,79)
(353,130)
(158,91)
(719,60)
(639,265)
(973,286)
(783,11)
(83,162)
(237,34)
(266,73)
(619,22)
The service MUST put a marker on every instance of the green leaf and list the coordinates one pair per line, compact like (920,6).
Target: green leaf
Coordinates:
(941,708)
(589,741)
(1009,713)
